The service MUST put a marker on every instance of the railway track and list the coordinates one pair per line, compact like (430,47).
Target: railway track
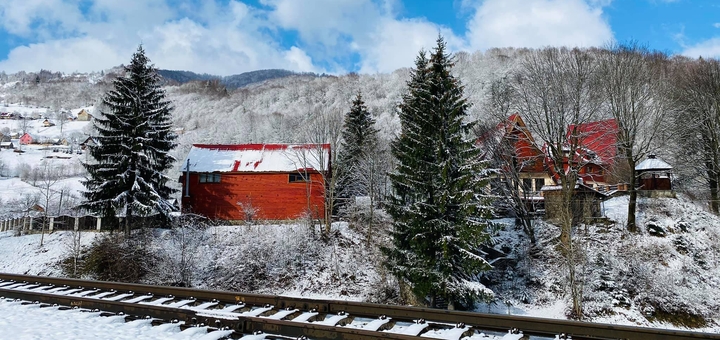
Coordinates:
(277,317)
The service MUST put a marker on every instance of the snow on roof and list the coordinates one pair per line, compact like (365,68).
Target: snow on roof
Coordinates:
(577,186)
(653,163)
(258,157)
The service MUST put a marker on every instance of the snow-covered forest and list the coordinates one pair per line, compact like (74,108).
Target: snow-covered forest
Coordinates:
(640,277)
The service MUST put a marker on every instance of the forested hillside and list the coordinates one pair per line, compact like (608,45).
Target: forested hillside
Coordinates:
(307,108)
(615,268)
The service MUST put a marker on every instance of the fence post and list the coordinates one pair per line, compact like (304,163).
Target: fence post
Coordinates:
(77,223)
(27,225)
(99,223)
(52,224)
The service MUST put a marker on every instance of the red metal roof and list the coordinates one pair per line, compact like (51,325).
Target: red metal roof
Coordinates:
(599,137)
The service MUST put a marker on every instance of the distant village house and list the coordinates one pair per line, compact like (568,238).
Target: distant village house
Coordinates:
(83,116)
(7,145)
(26,139)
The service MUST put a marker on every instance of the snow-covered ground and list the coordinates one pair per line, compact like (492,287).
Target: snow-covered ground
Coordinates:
(667,275)
(30,322)
(24,255)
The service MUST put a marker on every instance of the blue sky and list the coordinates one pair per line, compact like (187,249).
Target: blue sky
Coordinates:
(335,36)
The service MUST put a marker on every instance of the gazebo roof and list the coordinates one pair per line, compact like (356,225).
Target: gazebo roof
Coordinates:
(652,163)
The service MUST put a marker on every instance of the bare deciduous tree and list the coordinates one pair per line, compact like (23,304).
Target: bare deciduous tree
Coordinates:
(557,91)
(326,127)
(499,148)
(696,98)
(634,82)
(48,177)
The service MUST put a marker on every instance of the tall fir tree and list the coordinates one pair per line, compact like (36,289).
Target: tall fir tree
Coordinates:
(439,217)
(134,137)
(359,145)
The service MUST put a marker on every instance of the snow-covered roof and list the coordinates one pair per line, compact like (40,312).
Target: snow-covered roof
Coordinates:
(653,163)
(258,157)
(577,186)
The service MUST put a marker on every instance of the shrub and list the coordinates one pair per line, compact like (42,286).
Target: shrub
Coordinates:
(113,258)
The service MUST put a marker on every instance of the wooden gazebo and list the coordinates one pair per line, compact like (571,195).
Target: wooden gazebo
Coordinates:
(654,174)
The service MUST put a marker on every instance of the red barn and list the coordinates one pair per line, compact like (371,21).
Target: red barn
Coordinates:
(256,181)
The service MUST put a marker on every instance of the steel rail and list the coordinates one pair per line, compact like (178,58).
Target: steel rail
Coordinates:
(478,321)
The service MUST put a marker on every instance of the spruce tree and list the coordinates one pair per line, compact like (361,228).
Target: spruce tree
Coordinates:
(359,145)
(134,137)
(438,214)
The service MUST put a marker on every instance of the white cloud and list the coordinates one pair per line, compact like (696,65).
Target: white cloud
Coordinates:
(396,43)
(228,36)
(300,60)
(369,29)
(716,25)
(328,22)
(67,55)
(538,23)
(707,49)
(36,18)
(220,39)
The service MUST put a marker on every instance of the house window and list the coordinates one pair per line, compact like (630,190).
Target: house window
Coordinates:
(539,182)
(209,178)
(294,178)
(527,184)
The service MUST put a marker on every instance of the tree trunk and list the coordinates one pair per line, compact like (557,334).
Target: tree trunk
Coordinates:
(714,180)
(632,202)
(566,214)
(128,215)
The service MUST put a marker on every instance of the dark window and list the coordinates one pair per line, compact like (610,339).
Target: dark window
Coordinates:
(539,182)
(297,178)
(209,178)
(527,184)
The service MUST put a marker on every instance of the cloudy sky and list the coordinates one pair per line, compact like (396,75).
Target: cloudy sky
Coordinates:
(335,36)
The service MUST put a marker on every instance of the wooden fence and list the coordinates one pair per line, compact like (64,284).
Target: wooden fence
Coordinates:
(65,222)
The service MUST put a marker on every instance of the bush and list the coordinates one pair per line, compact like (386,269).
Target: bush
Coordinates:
(113,258)
(180,253)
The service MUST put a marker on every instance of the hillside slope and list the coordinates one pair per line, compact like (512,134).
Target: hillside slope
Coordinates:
(667,274)
(647,278)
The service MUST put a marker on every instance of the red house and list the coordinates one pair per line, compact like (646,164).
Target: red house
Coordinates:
(597,149)
(256,181)
(512,142)
(26,139)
